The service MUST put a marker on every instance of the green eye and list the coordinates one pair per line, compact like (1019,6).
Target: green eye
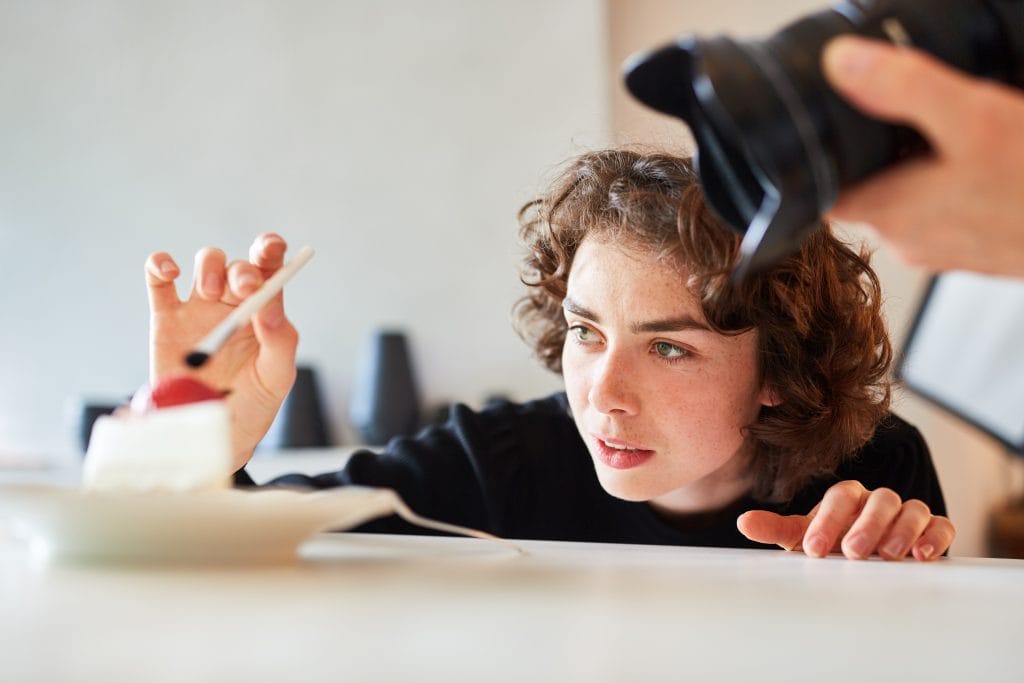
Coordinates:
(581,333)
(666,350)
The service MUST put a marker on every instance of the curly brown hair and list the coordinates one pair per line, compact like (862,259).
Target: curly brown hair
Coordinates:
(822,342)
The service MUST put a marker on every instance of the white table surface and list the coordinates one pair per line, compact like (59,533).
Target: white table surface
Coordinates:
(264,466)
(400,608)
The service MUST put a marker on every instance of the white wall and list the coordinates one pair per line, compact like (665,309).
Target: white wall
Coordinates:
(398,138)
(974,471)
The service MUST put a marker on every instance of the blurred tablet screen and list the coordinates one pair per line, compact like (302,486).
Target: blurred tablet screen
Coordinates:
(965,352)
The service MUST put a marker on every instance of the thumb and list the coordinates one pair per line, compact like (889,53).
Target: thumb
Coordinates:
(763,526)
(898,84)
(278,341)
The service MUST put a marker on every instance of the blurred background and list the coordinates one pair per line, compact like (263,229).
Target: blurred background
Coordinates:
(398,138)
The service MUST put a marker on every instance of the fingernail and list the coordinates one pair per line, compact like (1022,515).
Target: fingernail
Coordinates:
(817,545)
(893,548)
(273,241)
(927,550)
(859,545)
(168,267)
(849,57)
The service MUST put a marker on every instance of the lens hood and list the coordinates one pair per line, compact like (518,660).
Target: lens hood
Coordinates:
(770,187)
(775,144)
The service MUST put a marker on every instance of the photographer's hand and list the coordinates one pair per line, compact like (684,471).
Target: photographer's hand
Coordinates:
(962,206)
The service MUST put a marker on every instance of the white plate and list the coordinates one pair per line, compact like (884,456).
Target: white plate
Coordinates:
(207,526)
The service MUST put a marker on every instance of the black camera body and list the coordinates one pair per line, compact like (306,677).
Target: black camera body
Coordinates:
(775,142)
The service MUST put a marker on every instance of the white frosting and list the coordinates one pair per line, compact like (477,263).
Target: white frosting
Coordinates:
(181,448)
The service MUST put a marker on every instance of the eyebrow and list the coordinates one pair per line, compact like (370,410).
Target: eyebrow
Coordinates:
(675,324)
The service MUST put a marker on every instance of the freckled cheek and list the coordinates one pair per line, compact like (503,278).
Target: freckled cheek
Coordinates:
(682,413)
(698,419)
(574,379)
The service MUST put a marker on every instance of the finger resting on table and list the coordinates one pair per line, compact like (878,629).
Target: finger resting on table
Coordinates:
(839,507)
(904,529)
(935,539)
(161,271)
(881,509)
(209,274)
(763,526)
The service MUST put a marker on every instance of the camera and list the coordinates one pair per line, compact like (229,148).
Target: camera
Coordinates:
(775,143)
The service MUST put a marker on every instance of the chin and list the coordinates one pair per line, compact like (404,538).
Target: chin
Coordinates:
(628,488)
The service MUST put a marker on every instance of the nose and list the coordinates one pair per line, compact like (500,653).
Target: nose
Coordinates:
(613,385)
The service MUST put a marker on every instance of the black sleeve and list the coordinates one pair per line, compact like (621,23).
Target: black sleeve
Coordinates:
(465,471)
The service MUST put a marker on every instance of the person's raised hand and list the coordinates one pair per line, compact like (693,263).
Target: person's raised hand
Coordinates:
(857,522)
(257,365)
(958,207)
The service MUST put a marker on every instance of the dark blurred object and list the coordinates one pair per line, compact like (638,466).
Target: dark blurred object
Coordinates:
(1006,530)
(385,401)
(300,423)
(775,142)
(87,416)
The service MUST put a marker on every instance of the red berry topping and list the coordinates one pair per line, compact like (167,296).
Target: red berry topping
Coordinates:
(178,390)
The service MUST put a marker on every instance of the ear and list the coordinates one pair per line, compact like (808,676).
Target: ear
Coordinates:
(769,397)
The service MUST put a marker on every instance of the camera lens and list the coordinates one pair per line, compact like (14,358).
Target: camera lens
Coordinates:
(775,143)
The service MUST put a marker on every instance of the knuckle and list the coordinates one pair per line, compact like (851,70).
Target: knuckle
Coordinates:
(945,525)
(851,486)
(887,497)
(844,495)
(210,253)
(260,244)
(845,490)
(239,268)
(917,506)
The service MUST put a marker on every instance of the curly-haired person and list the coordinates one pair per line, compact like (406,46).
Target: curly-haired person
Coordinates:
(696,412)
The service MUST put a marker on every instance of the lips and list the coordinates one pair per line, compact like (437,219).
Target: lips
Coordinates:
(625,457)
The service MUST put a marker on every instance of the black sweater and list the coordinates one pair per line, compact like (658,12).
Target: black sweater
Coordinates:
(522,471)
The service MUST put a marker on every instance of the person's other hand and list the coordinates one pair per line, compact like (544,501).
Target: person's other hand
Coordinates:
(959,207)
(857,522)
(257,365)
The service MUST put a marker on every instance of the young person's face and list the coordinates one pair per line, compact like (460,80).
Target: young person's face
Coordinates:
(659,398)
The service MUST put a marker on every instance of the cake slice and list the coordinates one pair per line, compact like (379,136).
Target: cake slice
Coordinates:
(176,437)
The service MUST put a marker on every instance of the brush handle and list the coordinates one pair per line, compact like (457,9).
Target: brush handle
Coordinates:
(253,303)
